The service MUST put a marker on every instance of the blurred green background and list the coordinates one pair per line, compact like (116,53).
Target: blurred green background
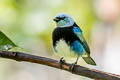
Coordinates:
(29,23)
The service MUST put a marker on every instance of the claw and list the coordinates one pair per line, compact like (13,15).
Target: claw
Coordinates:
(61,62)
(72,67)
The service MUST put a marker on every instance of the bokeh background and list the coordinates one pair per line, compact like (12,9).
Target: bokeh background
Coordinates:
(29,23)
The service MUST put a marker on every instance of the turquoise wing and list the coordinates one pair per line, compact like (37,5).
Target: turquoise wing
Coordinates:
(79,34)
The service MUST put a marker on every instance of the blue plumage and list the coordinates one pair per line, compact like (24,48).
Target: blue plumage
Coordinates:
(70,33)
(77,47)
(78,32)
(76,29)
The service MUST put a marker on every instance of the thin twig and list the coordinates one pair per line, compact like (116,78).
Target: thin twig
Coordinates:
(79,70)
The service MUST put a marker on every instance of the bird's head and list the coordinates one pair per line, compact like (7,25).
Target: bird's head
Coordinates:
(63,20)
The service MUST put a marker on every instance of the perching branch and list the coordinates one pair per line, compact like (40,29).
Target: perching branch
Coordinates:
(79,70)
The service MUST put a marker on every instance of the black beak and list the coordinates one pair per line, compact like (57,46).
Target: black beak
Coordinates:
(56,19)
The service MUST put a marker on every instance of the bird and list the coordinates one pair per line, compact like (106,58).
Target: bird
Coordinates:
(68,40)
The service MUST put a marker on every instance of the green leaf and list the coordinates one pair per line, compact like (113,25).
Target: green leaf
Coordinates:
(5,42)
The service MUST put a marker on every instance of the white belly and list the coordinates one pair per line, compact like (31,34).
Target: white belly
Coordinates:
(64,50)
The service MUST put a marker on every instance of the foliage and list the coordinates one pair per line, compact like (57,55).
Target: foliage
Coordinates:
(5,42)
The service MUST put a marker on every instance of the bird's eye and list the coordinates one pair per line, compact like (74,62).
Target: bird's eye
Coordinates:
(62,18)
(57,19)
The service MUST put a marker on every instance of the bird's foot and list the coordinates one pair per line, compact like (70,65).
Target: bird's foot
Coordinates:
(72,66)
(61,61)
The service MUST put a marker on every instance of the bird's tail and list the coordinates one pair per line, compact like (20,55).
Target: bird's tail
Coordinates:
(89,60)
